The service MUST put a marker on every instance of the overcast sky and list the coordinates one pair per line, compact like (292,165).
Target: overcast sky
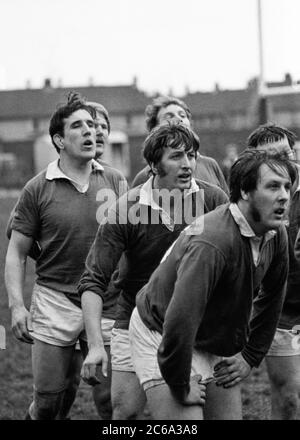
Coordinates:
(167,44)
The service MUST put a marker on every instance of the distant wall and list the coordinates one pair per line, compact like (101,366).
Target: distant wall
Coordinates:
(23,169)
(213,143)
(44,153)
(136,158)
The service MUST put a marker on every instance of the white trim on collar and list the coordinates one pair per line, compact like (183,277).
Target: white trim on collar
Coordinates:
(146,195)
(54,172)
(96,165)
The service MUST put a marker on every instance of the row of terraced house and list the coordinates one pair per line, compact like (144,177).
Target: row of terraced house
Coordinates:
(220,118)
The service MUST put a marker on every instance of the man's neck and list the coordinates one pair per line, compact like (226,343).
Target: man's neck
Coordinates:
(76,170)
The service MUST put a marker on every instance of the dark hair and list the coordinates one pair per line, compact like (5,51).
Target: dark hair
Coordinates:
(162,101)
(171,135)
(245,171)
(57,122)
(270,133)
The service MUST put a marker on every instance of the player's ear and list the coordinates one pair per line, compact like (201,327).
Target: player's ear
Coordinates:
(58,140)
(244,195)
(154,168)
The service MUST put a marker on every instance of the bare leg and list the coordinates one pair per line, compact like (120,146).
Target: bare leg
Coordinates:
(128,397)
(223,403)
(163,406)
(50,366)
(73,381)
(284,375)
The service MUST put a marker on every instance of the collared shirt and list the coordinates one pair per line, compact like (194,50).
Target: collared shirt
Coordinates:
(55,172)
(146,198)
(64,221)
(256,242)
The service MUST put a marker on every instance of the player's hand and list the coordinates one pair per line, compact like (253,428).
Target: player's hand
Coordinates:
(96,356)
(232,370)
(21,324)
(197,393)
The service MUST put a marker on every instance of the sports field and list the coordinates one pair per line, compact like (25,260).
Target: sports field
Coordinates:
(15,369)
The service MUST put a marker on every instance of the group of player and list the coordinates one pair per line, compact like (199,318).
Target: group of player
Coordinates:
(176,290)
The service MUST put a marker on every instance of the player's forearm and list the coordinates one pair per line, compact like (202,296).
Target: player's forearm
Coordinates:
(265,317)
(92,313)
(14,278)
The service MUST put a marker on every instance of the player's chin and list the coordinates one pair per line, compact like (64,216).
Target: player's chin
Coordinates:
(99,150)
(89,154)
(184,184)
(276,223)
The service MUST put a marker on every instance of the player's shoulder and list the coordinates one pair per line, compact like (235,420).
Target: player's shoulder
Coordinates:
(36,182)
(113,172)
(112,178)
(203,184)
(211,188)
(132,195)
(141,177)
(208,160)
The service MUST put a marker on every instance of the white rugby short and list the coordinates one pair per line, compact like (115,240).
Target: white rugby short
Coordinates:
(57,321)
(144,345)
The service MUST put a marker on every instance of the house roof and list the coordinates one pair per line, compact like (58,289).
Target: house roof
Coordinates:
(220,102)
(42,102)
(127,99)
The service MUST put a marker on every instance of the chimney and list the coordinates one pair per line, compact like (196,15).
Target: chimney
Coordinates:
(47,83)
(253,83)
(135,81)
(288,79)
(170,92)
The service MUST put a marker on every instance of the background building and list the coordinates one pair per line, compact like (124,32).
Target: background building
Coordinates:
(220,117)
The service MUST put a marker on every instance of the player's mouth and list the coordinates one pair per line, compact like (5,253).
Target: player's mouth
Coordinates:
(99,142)
(88,143)
(279,212)
(185,177)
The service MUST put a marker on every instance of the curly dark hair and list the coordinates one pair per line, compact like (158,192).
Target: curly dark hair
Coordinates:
(172,135)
